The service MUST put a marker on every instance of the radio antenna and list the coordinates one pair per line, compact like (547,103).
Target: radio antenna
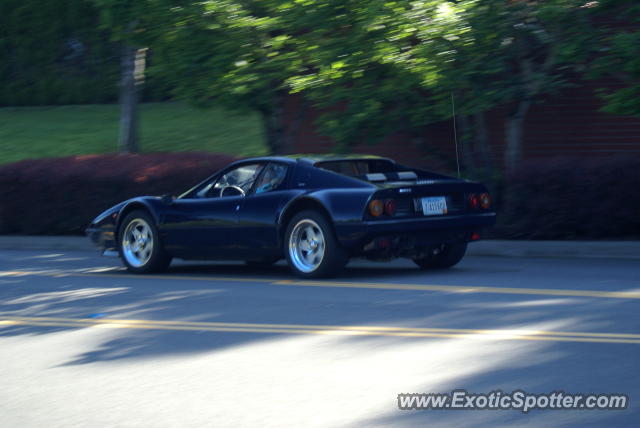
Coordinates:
(455,132)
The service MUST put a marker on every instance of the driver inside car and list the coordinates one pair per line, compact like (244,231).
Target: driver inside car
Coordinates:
(271,179)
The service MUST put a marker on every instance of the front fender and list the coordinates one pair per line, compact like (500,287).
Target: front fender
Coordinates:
(102,231)
(151,204)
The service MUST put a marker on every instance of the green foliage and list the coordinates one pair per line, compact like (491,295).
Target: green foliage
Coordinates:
(36,132)
(59,53)
(358,66)
(395,65)
(51,53)
(619,55)
(373,66)
(232,51)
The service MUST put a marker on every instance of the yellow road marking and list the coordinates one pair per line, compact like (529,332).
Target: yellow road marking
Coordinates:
(323,326)
(466,289)
(537,335)
(343,284)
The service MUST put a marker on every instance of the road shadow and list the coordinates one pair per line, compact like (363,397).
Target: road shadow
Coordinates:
(353,270)
(422,364)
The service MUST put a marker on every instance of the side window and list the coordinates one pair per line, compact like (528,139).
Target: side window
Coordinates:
(272,178)
(235,182)
(347,168)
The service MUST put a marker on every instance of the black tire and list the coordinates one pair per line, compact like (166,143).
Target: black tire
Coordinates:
(158,259)
(449,256)
(333,258)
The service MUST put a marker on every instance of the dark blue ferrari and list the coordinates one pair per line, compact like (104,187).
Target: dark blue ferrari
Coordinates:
(315,211)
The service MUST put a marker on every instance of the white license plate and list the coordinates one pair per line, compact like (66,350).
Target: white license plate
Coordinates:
(434,205)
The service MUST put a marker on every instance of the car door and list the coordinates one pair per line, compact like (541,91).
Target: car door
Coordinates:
(206,225)
(260,209)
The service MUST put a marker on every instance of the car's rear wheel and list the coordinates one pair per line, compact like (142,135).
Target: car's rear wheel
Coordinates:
(312,249)
(139,244)
(443,257)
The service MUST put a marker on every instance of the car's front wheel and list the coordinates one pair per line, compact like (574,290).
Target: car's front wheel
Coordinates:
(312,249)
(139,244)
(443,257)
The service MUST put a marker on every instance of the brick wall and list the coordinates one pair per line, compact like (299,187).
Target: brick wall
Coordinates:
(567,124)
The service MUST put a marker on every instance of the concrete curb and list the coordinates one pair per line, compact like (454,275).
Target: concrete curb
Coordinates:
(571,249)
(489,248)
(46,243)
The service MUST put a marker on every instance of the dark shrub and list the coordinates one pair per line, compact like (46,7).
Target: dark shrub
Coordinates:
(546,199)
(572,199)
(62,195)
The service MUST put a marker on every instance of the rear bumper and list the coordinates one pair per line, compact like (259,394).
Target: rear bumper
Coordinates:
(417,231)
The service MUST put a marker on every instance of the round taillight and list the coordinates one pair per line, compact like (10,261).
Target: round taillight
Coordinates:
(376,208)
(390,207)
(485,201)
(474,201)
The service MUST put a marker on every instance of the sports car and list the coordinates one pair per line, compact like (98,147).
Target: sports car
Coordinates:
(314,211)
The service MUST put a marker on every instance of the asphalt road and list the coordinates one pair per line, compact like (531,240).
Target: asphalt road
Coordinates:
(84,344)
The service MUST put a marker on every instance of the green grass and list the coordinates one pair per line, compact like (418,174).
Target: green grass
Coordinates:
(37,132)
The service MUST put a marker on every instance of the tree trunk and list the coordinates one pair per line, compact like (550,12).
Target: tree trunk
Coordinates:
(128,141)
(274,126)
(513,134)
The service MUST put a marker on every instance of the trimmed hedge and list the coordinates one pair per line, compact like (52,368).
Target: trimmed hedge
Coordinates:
(571,198)
(62,195)
(549,199)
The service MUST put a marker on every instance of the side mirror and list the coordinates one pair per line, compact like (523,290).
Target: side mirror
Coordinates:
(166,199)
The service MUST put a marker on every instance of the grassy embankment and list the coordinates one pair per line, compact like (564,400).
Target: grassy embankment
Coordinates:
(37,132)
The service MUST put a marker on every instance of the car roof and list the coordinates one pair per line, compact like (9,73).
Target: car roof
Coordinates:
(313,159)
